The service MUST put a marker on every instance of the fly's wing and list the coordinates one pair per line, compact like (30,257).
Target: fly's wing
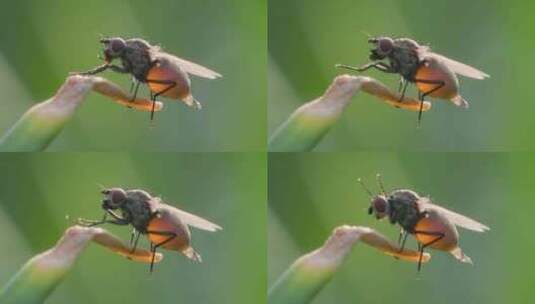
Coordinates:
(458,67)
(456,218)
(185,217)
(189,67)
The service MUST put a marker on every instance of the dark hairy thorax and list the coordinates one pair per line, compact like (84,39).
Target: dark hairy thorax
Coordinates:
(137,58)
(137,209)
(404,58)
(404,209)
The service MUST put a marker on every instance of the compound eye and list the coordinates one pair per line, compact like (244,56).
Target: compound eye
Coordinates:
(385,45)
(118,196)
(117,45)
(380,205)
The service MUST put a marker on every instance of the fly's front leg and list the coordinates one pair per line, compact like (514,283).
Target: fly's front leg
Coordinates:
(118,69)
(100,68)
(117,220)
(421,247)
(103,68)
(379,65)
(422,95)
(89,223)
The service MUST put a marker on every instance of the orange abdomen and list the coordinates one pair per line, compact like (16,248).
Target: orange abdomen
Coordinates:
(436,71)
(169,73)
(179,243)
(437,223)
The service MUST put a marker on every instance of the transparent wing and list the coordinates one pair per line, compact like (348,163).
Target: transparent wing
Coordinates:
(458,67)
(456,218)
(185,217)
(192,68)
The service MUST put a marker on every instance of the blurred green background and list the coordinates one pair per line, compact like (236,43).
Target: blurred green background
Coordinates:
(311,194)
(307,38)
(42,41)
(38,191)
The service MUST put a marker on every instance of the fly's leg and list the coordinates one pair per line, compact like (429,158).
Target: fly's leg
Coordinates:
(100,68)
(404,83)
(153,247)
(400,84)
(135,91)
(421,247)
(171,84)
(104,67)
(132,234)
(400,236)
(439,84)
(133,243)
(402,239)
(117,220)
(132,85)
(90,223)
(381,66)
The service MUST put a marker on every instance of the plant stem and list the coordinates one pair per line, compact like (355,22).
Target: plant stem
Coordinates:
(42,273)
(38,127)
(309,273)
(307,125)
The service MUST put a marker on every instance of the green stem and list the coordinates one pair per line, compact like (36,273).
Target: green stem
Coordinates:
(40,124)
(310,122)
(42,273)
(309,273)
(305,128)
(38,127)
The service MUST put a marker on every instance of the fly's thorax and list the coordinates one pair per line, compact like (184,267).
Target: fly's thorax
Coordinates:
(407,43)
(404,195)
(137,60)
(139,43)
(138,195)
(404,208)
(405,61)
(406,215)
(137,209)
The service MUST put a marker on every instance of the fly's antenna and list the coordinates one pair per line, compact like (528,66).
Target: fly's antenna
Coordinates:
(380,183)
(359,180)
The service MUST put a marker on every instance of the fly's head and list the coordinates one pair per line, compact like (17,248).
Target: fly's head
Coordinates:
(382,47)
(114,198)
(113,48)
(379,206)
